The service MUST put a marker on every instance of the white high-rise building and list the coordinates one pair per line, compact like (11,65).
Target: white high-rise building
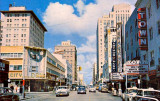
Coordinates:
(21,27)
(119,13)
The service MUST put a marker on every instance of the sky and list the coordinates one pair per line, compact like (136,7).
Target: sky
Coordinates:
(74,20)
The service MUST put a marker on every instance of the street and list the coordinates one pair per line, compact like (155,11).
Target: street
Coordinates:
(98,96)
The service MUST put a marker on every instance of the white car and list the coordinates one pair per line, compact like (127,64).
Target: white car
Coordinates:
(129,93)
(62,90)
(92,89)
(150,92)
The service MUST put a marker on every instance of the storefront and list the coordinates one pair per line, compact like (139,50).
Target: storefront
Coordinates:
(4,69)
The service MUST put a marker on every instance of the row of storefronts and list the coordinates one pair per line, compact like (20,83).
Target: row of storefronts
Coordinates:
(37,66)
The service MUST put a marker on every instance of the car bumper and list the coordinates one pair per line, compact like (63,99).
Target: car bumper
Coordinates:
(61,94)
(81,92)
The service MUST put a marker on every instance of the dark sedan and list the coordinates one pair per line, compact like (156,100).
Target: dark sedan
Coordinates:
(6,94)
(81,90)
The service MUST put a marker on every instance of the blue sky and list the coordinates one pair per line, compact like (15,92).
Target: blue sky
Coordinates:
(74,20)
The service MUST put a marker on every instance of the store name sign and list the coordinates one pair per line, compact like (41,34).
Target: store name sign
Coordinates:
(142,26)
(135,67)
(15,75)
(117,76)
(37,75)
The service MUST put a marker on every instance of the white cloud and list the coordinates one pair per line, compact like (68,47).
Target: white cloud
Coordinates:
(80,7)
(60,19)
(89,47)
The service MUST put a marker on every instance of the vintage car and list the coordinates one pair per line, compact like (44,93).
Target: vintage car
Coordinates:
(62,90)
(92,89)
(150,93)
(129,93)
(6,94)
(100,87)
(81,90)
(104,88)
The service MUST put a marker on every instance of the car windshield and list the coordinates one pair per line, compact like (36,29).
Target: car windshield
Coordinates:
(132,91)
(82,88)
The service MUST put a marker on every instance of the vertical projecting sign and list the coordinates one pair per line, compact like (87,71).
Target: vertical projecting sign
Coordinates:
(142,26)
(114,59)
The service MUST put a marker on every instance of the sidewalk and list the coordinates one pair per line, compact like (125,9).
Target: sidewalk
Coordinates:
(29,97)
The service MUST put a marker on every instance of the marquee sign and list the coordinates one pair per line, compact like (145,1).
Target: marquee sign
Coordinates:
(117,76)
(135,67)
(142,25)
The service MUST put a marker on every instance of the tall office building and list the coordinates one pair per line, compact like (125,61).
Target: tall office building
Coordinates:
(119,13)
(21,27)
(69,52)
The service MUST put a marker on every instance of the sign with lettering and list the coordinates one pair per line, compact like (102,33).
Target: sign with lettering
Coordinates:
(117,76)
(142,25)
(15,75)
(134,67)
(114,57)
(37,75)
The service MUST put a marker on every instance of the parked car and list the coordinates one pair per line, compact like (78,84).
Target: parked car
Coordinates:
(97,87)
(92,89)
(150,92)
(129,93)
(81,90)
(100,86)
(104,88)
(6,94)
(62,90)
(142,98)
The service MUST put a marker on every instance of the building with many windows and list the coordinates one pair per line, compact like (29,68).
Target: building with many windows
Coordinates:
(21,27)
(37,66)
(69,52)
(119,13)
(142,40)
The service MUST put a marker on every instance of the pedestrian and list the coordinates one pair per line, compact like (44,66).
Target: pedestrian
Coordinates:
(16,88)
(21,90)
(12,87)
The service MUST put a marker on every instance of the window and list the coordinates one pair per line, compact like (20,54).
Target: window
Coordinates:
(7,20)
(131,42)
(135,23)
(149,11)
(158,27)
(151,33)
(131,29)
(127,46)
(152,55)
(158,3)
(145,57)
(34,69)
(131,55)
(10,20)
(17,67)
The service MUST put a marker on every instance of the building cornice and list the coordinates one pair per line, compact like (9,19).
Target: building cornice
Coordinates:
(27,11)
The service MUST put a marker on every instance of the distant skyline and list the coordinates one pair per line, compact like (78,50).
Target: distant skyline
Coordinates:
(74,20)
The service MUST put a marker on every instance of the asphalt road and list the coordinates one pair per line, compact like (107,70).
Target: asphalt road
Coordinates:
(98,96)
